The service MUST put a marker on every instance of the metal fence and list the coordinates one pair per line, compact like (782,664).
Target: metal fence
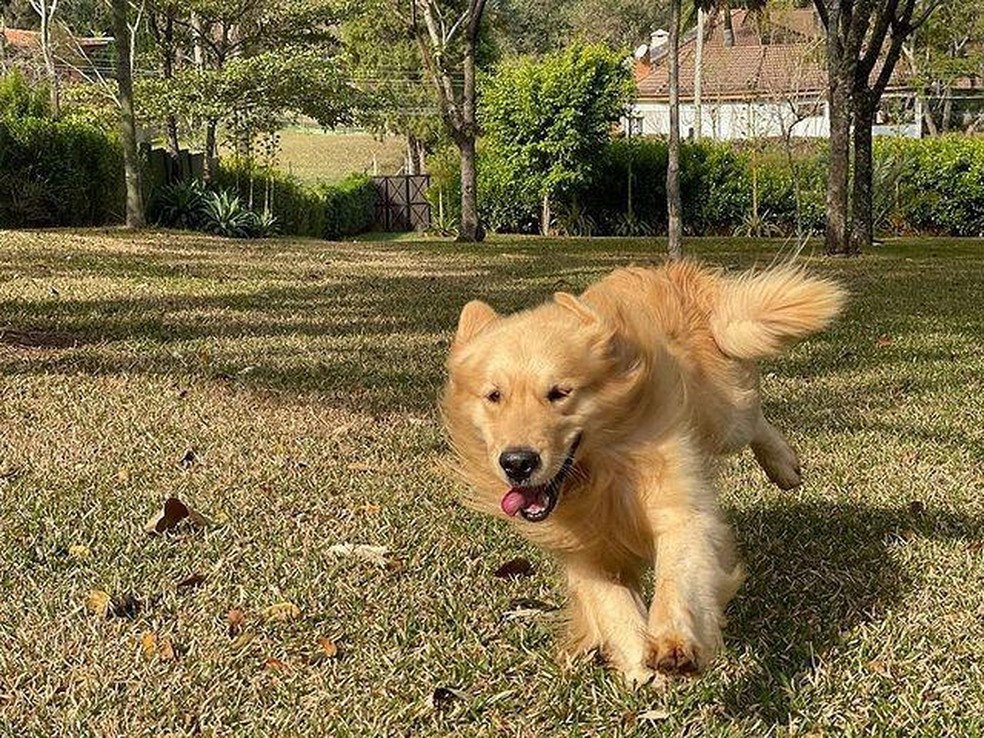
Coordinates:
(401,202)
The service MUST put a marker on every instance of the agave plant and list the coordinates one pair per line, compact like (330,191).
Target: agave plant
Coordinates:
(225,215)
(573,220)
(758,225)
(630,225)
(180,205)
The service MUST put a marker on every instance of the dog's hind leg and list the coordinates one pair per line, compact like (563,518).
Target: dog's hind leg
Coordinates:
(775,456)
(609,614)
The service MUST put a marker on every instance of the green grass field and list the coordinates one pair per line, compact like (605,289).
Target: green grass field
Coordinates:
(302,376)
(314,155)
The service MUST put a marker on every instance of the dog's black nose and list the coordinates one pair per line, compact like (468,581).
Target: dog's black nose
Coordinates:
(519,463)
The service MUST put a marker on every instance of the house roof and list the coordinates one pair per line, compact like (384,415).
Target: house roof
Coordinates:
(22,38)
(793,65)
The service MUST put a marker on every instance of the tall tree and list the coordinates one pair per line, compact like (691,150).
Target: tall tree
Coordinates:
(46,10)
(855,35)
(548,119)
(674,206)
(894,19)
(449,54)
(124,78)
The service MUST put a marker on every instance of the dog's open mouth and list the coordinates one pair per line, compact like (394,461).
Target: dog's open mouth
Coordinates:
(536,503)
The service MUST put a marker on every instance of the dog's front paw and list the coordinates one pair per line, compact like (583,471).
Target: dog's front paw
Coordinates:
(674,654)
(639,676)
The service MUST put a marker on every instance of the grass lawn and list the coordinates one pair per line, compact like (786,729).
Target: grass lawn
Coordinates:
(302,375)
(315,155)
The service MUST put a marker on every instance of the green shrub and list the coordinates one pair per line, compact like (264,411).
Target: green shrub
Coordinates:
(933,185)
(179,205)
(18,99)
(349,206)
(58,173)
(940,184)
(298,208)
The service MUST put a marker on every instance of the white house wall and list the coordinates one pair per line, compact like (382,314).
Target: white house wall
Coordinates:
(740,120)
(729,120)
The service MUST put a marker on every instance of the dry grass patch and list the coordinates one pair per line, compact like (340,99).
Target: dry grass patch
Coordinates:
(285,389)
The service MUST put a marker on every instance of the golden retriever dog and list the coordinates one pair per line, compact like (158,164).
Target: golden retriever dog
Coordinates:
(591,423)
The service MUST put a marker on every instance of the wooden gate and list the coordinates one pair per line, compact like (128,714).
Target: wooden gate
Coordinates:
(401,202)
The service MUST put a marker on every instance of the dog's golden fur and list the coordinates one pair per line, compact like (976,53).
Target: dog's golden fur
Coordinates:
(640,381)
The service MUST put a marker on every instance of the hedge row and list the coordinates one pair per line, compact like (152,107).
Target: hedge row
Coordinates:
(327,211)
(933,185)
(58,173)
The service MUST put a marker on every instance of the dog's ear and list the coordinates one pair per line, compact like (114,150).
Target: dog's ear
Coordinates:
(569,302)
(475,316)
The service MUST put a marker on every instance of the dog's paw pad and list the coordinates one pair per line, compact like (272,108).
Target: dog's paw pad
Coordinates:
(672,655)
(640,676)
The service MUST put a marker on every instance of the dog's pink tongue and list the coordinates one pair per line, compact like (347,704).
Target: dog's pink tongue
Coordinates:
(513,501)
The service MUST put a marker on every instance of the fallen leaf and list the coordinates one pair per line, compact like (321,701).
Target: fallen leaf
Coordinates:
(241,641)
(173,513)
(515,568)
(189,458)
(193,580)
(328,647)
(236,621)
(526,607)
(78,551)
(165,650)
(272,664)
(361,466)
(98,603)
(917,507)
(394,565)
(884,341)
(442,697)
(376,554)
(126,606)
(148,645)
(282,612)
(654,715)
(9,473)
(123,476)
(879,667)
(370,509)
(976,547)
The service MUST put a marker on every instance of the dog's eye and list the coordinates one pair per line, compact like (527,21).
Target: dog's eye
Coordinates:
(556,393)
(494,396)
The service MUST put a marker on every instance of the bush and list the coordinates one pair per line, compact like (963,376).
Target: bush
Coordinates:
(319,211)
(933,185)
(19,100)
(58,173)
(940,184)
(298,208)
(349,206)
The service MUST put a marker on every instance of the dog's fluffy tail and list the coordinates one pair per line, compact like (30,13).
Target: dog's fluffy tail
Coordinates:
(757,315)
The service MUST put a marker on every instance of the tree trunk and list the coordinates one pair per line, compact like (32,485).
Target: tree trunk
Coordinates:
(471,229)
(862,216)
(412,160)
(47,12)
(545,216)
(673,205)
(838,171)
(173,145)
(131,158)
(211,149)
(729,30)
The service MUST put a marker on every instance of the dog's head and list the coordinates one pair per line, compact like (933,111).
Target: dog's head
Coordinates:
(523,399)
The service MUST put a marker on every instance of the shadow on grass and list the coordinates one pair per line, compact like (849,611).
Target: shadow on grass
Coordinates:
(815,572)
